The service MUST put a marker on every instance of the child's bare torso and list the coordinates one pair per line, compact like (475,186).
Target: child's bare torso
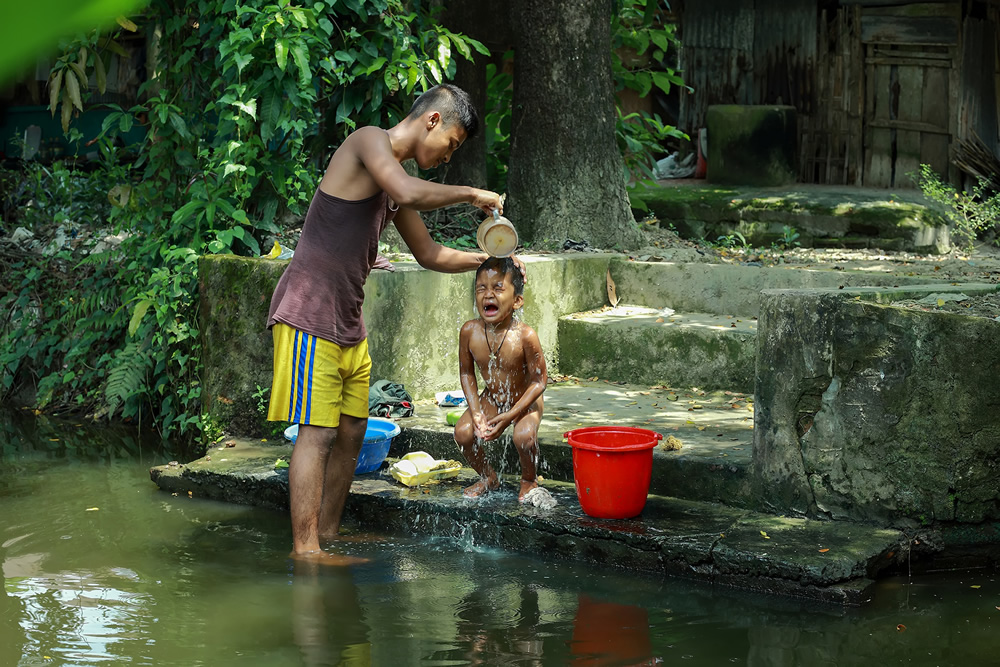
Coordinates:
(502,364)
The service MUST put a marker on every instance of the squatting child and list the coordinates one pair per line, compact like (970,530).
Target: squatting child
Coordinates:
(510,361)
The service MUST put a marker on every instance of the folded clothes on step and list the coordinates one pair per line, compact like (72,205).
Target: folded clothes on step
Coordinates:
(450,399)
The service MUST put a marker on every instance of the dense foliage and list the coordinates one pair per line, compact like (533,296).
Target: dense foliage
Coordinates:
(972,213)
(247,101)
(234,129)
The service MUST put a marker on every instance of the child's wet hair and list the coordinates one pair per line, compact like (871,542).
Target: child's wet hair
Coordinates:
(454,105)
(505,266)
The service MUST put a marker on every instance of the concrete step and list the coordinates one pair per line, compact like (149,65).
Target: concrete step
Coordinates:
(659,346)
(828,561)
(715,430)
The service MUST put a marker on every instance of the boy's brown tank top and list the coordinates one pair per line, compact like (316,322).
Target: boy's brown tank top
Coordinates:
(322,289)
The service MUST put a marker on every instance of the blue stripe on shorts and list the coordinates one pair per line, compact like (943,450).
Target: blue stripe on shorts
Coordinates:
(301,379)
(309,389)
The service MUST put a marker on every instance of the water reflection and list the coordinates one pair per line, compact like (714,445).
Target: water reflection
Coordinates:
(609,633)
(98,566)
(12,637)
(327,620)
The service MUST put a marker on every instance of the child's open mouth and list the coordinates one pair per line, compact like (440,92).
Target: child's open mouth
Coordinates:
(490,309)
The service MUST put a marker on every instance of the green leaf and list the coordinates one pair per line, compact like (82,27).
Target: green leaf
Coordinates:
(435,71)
(376,65)
(67,105)
(232,168)
(249,108)
(444,51)
(242,60)
(55,86)
(478,46)
(281,53)
(137,314)
(73,88)
(299,16)
(302,61)
(100,75)
(391,82)
(462,45)
(126,23)
(186,211)
(179,125)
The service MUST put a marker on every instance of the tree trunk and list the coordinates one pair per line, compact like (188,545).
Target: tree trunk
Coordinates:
(488,23)
(566,176)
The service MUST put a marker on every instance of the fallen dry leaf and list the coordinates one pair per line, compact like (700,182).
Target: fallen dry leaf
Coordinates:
(612,293)
(823,551)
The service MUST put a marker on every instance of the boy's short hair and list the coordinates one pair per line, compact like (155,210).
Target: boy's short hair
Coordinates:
(506,266)
(454,105)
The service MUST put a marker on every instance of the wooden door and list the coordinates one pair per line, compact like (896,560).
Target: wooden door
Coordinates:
(910,88)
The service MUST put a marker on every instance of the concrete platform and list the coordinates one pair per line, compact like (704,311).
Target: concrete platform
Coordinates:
(824,561)
(640,344)
(715,430)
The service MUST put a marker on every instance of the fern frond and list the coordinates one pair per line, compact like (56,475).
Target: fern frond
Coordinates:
(126,378)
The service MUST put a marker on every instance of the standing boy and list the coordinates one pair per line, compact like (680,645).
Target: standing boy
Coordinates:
(321,361)
(510,360)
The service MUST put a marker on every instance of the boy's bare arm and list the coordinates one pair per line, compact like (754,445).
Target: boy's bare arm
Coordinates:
(374,150)
(430,254)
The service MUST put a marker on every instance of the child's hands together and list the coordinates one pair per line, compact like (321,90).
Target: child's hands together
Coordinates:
(496,426)
(479,424)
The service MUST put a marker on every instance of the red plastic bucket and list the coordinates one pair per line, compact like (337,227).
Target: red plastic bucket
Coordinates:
(612,466)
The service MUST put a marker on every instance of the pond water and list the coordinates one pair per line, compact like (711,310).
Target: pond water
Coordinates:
(98,566)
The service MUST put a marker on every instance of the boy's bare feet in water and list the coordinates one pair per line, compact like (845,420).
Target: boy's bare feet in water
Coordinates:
(320,557)
(482,487)
(352,536)
(526,486)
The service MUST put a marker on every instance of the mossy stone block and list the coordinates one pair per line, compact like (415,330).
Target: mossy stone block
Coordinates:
(752,145)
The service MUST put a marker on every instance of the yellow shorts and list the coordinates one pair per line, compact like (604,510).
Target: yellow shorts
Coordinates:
(315,380)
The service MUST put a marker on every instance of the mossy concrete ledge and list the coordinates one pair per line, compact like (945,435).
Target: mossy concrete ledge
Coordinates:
(822,216)
(413,317)
(825,561)
(869,409)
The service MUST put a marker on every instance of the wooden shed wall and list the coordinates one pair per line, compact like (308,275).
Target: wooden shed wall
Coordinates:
(717,57)
(881,87)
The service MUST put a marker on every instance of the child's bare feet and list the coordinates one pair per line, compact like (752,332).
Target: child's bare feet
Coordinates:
(482,487)
(526,486)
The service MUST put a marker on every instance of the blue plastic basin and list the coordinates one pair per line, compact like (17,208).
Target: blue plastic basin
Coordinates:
(378,438)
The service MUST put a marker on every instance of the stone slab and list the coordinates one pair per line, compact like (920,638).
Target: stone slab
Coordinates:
(638,344)
(672,537)
(870,411)
(733,289)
